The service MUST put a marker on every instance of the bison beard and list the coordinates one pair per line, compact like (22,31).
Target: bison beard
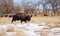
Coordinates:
(25,19)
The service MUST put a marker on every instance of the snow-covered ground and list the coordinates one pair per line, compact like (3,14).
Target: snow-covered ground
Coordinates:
(28,29)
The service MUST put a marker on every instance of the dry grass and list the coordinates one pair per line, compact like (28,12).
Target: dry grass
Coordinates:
(19,32)
(2,32)
(37,19)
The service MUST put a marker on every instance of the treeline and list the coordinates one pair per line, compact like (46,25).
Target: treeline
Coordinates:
(49,7)
(6,6)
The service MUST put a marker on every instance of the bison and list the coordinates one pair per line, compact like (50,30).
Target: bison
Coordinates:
(21,17)
(26,18)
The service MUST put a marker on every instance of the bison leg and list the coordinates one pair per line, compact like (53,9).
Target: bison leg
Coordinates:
(21,21)
(28,20)
(25,21)
(12,21)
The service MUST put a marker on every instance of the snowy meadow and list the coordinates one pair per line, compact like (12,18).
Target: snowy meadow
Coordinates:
(38,26)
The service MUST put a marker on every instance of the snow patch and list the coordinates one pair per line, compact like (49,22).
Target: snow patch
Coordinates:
(29,28)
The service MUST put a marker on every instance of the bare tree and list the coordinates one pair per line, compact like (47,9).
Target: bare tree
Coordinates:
(54,4)
(6,6)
